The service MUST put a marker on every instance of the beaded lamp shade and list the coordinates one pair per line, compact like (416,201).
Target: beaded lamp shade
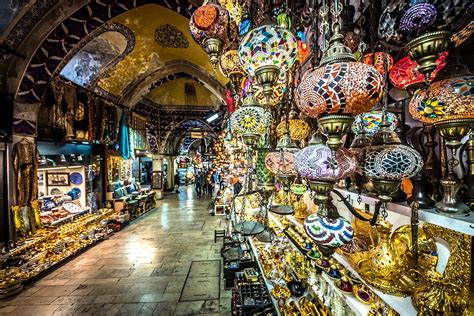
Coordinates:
(298,129)
(211,21)
(339,88)
(316,162)
(405,71)
(370,122)
(281,163)
(267,45)
(443,100)
(229,63)
(392,162)
(377,60)
(328,231)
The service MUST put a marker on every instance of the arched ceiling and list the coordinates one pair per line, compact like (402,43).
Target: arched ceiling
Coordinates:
(123,73)
(150,54)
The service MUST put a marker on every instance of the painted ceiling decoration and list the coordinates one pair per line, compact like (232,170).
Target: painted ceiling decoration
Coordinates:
(68,34)
(167,35)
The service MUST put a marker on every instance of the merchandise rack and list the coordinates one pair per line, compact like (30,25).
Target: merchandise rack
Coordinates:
(402,305)
(359,308)
(460,223)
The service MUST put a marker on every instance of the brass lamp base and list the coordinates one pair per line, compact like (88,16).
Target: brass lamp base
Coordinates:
(266,77)
(321,189)
(454,130)
(385,188)
(213,47)
(334,127)
(425,50)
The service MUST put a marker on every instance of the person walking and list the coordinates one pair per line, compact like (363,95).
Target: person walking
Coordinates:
(237,185)
(176,182)
(198,184)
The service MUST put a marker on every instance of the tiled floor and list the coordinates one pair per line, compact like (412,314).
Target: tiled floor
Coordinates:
(138,271)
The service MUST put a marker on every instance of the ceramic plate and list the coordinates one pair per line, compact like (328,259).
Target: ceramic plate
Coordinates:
(75,178)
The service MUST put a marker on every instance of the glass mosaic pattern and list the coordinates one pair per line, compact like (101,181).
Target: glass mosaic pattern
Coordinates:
(229,63)
(377,60)
(212,21)
(250,120)
(317,163)
(371,122)
(299,129)
(281,163)
(267,45)
(331,232)
(443,100)
(405,71)
(418,18)
(392,162)
(344,88)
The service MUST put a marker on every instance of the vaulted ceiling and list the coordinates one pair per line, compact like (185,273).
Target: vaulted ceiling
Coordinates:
(127,51)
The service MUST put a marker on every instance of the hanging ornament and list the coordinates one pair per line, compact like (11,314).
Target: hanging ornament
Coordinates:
(230,67)
(405,72)
(213,29)
(266,51)
(377,60)
(251,120)
(370,122)
(279,90)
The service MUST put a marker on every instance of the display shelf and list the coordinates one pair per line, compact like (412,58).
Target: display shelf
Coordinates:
(267,282)
(403,305)
(462,224)
(358,307)
(70,217)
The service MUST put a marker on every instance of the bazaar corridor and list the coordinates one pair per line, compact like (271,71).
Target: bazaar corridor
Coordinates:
(141,270)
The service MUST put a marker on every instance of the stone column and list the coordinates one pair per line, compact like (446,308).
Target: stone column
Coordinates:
(158,166)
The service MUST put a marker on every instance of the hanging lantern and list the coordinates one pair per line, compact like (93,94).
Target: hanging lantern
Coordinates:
(370,122)
(377,60)
(444,100)
(331,92)
(251,120)
(298,129)
(388,161)
(265,51)
(450,97)
(281,162)
(230,67)
(405,72)
(322,168)
(213,29)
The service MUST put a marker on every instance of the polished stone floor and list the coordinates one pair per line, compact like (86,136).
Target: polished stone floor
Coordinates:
(141,270)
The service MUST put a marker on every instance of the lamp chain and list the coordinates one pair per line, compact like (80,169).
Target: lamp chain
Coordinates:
(324,26)
(362,45)
(336,11)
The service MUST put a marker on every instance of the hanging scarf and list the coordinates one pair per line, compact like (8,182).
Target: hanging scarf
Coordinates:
(124,140)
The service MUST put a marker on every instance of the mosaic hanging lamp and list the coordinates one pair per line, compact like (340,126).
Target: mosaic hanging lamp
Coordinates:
(321,168)
(251,120)
(279,90)
(230,67)
(405,73)
(213,29)
(338,89)
(369,122)
(267,50)
(298,128)
(450,97)
(281,162)
(388,161)
(377,61)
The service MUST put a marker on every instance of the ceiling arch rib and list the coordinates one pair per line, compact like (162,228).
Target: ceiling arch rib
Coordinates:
(88,17)
(181,68)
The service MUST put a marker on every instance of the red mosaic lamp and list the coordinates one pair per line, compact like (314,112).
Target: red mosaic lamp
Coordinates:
(213,29)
